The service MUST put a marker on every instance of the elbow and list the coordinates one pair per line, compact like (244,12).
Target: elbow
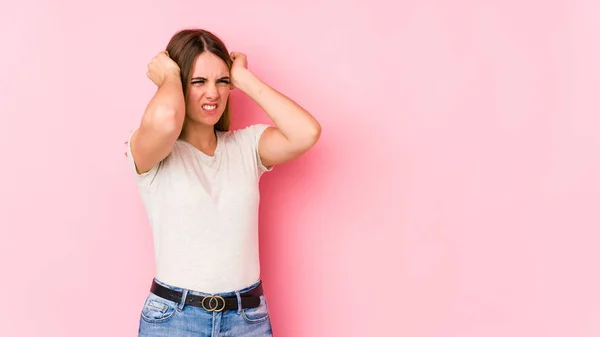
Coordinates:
(312,135)
(165,118)
(315,132)
(304,137)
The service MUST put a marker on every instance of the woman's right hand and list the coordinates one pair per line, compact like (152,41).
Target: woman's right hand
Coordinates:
(160,67)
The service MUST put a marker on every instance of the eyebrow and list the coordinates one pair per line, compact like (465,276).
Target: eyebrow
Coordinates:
(204,78)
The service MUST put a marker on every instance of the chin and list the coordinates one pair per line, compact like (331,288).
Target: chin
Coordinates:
(210,120)
(205,119)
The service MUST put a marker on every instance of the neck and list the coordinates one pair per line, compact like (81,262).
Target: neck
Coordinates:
(200,136)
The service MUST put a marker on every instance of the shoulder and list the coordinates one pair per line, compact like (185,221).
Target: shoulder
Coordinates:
(245,142)
(246,136)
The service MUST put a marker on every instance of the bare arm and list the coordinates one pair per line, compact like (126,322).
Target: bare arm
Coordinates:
(296,129)
(163,119)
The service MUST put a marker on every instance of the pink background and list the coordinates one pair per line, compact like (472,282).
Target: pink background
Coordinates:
(454,191)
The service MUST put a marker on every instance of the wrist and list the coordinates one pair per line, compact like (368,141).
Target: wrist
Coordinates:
(245,80)
(173,73)
(172,76)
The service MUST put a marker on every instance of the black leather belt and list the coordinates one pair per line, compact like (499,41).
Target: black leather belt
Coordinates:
(250,299)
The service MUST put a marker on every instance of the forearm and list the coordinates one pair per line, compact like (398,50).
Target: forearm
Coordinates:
(295,123)
(168,103)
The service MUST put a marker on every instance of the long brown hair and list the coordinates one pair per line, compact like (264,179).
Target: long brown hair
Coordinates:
(185,46)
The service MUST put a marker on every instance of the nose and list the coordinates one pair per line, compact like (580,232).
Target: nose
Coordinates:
(211,92)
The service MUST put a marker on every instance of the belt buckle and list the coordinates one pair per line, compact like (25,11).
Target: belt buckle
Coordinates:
(213,304)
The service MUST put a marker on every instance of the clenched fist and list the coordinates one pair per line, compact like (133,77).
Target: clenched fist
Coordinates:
(240,64)
(160,67)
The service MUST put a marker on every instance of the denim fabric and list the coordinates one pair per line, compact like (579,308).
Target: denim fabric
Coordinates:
(161,317)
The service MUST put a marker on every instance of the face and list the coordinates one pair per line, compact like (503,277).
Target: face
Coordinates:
(208,89)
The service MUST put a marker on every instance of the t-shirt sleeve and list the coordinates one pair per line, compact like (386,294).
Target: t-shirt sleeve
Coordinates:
(252,135)
(143,178)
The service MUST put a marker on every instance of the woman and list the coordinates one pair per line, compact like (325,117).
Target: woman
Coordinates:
(199,185)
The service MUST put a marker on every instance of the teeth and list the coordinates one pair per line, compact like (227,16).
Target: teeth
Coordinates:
(209,107)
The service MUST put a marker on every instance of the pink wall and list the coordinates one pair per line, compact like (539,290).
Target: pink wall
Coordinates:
(454,192)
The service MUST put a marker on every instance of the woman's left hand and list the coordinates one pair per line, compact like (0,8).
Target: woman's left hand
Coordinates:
(239,66)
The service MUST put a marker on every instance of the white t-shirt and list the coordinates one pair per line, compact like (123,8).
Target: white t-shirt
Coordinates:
(203,211)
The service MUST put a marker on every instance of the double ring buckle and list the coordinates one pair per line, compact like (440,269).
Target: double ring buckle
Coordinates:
(214,304)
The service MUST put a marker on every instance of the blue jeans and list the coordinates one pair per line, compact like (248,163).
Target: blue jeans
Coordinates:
(161,317)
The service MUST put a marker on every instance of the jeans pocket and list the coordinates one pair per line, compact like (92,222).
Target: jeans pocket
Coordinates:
(157,309)
(258,314)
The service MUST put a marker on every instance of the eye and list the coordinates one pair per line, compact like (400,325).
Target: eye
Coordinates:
(198,82)
(224,80)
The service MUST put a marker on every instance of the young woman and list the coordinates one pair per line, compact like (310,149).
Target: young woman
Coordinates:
(199,184)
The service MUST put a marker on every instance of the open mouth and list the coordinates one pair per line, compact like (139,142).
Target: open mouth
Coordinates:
(209,108)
